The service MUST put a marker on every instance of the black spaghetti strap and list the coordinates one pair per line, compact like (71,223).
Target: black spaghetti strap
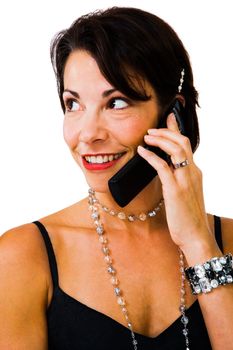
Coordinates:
(218,231)
(50,252)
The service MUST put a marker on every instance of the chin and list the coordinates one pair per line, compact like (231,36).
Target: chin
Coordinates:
(97,184)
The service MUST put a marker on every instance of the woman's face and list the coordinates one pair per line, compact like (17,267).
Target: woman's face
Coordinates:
(102,127)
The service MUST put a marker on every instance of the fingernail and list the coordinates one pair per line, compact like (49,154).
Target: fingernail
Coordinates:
(140,148)
(172,116)
(152,131)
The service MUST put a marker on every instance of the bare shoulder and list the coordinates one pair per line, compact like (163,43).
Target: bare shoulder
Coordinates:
(227,234)
(23,280)
(23,261)
(22,249)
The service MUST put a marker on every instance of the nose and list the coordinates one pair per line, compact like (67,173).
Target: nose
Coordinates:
(92,128)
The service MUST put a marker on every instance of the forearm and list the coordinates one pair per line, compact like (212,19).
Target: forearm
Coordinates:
(217,305)
(217,310)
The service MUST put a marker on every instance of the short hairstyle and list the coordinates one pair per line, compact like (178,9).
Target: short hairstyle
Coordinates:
(127,44)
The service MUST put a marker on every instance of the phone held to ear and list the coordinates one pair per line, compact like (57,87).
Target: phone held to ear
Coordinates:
(137,172)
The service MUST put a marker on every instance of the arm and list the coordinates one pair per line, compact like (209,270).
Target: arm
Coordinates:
(217,306)
(188,224)
(23,290)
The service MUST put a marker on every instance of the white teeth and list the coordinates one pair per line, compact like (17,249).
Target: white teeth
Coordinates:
(99,159)
(92,159)
(102,159)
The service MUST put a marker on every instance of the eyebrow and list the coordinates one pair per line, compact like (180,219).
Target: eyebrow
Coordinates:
(105,93)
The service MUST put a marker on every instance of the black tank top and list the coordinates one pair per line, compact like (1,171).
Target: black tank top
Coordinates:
(73,325)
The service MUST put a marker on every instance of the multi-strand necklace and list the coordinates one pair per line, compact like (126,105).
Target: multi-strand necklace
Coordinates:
(94,205)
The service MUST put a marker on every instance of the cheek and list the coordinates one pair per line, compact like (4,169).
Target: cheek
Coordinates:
(69,134)
(134,127)
(130,133)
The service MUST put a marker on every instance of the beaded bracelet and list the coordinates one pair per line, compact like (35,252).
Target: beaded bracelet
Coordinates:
(213,273)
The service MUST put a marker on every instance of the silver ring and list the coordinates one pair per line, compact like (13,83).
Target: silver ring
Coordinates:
(181,165)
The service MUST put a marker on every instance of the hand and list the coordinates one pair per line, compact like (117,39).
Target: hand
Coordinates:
(182,187)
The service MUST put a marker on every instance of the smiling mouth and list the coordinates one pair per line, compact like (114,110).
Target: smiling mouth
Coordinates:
(101,161)
(103,158)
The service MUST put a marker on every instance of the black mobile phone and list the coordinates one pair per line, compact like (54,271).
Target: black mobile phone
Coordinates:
(137,172)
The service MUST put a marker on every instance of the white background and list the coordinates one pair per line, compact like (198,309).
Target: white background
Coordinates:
(38,175)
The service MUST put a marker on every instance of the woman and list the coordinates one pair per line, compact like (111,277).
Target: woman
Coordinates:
(117,72)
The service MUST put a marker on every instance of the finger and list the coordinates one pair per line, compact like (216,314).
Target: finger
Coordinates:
(173,149)
(163,169)
(172,123)
(174,136)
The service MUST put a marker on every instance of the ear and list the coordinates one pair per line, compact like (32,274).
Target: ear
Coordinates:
(181,99)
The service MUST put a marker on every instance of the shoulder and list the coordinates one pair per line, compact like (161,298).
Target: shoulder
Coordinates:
(23,242)
(23,289)
(227,234)
(23,261)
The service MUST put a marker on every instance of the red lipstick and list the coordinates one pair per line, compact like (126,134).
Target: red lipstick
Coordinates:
(99,166)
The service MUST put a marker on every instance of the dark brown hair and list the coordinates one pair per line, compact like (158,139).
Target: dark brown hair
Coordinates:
(128,44)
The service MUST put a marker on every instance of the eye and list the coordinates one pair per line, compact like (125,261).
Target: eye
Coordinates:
(118,103)
(71,105)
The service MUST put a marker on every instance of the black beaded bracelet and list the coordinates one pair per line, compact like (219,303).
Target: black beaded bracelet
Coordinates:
(213,273)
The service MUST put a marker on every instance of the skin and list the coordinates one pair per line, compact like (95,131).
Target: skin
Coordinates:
(140,250)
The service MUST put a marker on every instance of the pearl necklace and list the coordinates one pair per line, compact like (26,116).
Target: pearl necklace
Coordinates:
(93,206)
